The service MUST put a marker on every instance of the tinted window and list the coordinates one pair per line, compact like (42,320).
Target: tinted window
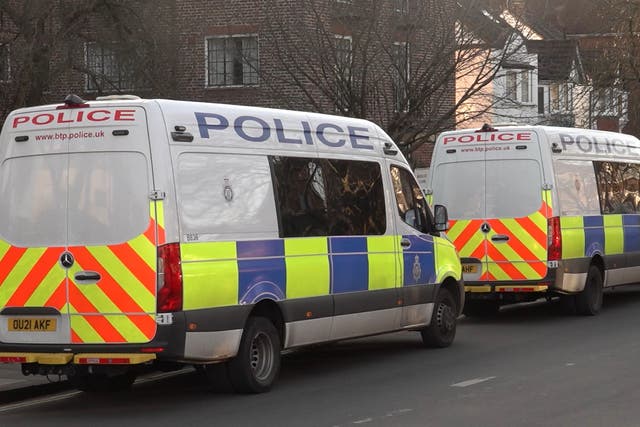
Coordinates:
(460,187)
(410,200)
(76,199)
(618,187)
(320,197)
(513,188)
(577,189)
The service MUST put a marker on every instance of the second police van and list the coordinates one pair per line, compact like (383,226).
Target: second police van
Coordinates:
(153,233)
(540,211)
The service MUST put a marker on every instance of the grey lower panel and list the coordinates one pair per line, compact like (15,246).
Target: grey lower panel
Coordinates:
(622,276)
(212,346)
(306,332)
(366,323)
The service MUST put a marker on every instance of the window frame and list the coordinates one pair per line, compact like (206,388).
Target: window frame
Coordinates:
(400,84)
(126,77)
(252,62)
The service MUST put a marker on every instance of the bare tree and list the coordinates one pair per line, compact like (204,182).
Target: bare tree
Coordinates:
(43,41)
(393,62)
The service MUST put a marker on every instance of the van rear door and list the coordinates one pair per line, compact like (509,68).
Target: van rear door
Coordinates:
(492,185)
(78,235)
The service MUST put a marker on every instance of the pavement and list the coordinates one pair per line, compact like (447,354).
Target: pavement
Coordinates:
(15,386)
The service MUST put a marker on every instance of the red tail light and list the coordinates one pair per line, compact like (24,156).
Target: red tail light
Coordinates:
(169,278)
(554,239)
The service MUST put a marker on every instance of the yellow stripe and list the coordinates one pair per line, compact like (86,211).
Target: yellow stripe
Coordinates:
(496,271)
(124,278)
(145,249)
(18,273)
(572,230)
(525,238)
(307,267)
(4,248)
(210,274)
(382,262)
(613,234)
(46,288)
(127,328)
(83,329)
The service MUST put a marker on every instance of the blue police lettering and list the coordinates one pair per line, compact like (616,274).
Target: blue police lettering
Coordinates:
(238,124)
(256,129)
(597,145)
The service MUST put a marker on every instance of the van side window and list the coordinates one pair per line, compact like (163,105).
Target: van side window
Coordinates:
(618,187)
(412,205)
(577,188)
(323,197)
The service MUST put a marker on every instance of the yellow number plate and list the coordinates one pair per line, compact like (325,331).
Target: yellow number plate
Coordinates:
(469,268)
(32,324)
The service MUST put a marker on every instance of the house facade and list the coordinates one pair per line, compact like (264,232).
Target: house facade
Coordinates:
(363,58)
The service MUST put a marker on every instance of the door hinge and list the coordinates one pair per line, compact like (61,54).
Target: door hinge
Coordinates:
(157,195)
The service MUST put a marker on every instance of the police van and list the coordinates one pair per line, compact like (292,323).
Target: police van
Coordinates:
(540,212)
(140,234)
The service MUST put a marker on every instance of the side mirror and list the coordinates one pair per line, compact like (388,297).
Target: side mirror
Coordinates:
(441,218)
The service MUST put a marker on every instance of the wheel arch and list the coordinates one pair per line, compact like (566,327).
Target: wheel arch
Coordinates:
(269,309)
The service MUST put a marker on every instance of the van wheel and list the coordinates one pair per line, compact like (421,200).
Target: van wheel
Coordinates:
(480,308)
(256,366)
(589,301)
(442,329)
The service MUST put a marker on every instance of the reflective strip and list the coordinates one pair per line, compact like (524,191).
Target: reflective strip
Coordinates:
(573,239)
(210,274)
(42,358)
(112,358)
(383,269)
(478,289)
(447,262)
(537,288)
(613,234)
(307,267)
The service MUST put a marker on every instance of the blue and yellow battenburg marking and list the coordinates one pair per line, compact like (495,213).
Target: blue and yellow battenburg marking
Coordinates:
(586,236)
(219,274)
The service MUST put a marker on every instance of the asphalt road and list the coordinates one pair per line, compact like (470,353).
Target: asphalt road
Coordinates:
(530,366)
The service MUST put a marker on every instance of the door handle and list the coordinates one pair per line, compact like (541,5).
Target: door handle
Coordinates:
(405,243)
(87,277)
(500,238)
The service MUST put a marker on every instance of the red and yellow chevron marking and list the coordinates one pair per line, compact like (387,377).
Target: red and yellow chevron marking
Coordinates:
(120,308)
(522,257)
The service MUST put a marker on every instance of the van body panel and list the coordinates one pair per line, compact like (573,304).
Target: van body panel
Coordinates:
(87,235)
(295,215)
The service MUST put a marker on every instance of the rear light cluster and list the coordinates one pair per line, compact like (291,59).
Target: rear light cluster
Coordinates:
(169,278)
(554,239)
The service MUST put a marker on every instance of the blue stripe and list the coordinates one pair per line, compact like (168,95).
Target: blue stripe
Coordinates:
(419,261)
(261,278)
(349,264)
(260,248)
(593,221)
(593,240)
(631,220)
(631,238)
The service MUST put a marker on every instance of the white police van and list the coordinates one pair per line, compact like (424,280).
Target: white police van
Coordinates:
(152,233)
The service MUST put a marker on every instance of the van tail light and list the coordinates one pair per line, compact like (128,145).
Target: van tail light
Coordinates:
(169,278)
(554,239)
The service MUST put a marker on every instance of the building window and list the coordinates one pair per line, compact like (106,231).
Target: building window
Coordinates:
(106,69)
(401,7)
(554,98)
(5,71)
(541,100)
(232,60)
(400,63)
(518,86)
(343,56)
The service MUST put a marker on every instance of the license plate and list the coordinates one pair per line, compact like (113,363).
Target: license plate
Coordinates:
(32,324)
(469,268)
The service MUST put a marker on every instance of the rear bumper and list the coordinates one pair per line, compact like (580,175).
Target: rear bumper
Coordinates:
(512,291)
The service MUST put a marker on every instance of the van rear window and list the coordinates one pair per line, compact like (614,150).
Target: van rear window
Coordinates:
(92,198)
(505,188)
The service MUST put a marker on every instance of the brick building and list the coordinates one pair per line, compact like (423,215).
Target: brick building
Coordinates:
(385,60)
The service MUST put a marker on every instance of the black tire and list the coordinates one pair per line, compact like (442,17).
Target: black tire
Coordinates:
(589,301)
(102,383)
(481,308)
(442,330)
(256,366)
